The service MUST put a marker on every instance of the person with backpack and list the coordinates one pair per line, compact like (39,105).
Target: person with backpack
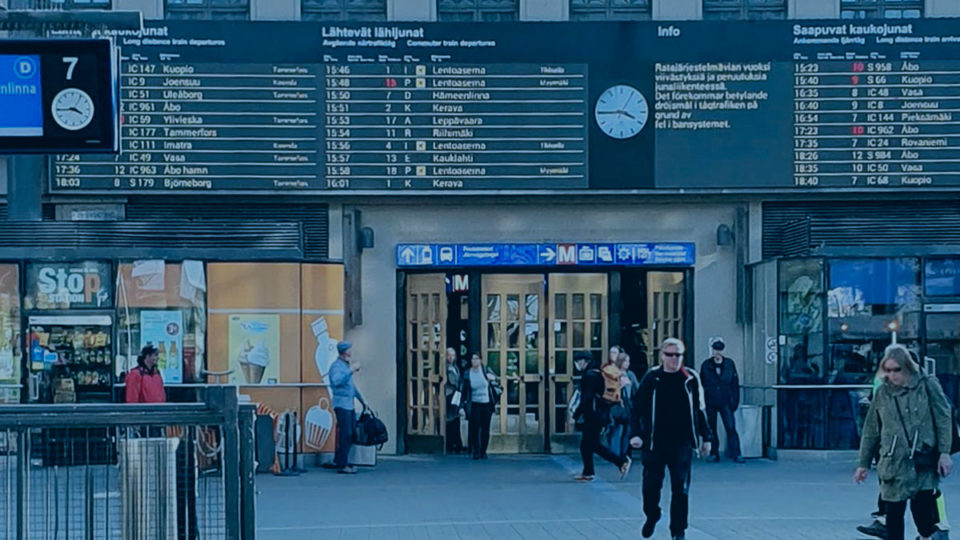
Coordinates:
(598,393)
(669,423)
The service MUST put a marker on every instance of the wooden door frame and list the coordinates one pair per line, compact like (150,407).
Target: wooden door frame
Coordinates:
(412,442)
(520,442)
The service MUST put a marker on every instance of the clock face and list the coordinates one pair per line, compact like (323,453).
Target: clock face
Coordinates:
(72,109)
(621,111)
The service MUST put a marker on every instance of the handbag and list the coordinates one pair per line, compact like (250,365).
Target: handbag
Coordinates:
(954,420)
(924,458)
(455,399)
(369,430)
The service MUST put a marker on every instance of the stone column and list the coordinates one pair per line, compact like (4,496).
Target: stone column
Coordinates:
(813,9)
(544,10)
(275,10)
(412,10)
(677,10)
(151,9)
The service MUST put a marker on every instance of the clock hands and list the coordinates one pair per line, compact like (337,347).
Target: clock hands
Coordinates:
(72,108)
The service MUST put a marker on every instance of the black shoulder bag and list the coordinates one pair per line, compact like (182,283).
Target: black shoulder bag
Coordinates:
(924,459)
(954,433)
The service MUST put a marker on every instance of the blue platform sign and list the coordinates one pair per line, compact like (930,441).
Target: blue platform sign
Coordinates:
(21,99)
(558,254)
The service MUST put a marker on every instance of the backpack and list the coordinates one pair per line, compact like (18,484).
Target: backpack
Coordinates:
(370,430)
(611,384)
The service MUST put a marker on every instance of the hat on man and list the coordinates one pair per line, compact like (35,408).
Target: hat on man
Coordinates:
(717,344)
(343,347)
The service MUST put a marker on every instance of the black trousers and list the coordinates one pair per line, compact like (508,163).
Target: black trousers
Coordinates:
(733,440)
(923,506)
(454,442)
(479,427)
(590,445)
(346,424)
(678,463)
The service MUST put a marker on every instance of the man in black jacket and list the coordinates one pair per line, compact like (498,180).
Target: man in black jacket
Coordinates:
(668,424)
(722,388)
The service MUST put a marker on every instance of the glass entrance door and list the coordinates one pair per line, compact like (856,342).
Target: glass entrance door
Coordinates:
(426,305)
(578,323)
(943,346)
(664,309)
(512,346)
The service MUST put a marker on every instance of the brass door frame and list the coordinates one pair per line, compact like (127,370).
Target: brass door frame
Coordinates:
(426,319)
(575,300)
(506,311)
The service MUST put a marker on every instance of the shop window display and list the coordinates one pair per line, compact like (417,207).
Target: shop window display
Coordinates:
(836,318)
(941,276)
(870,303)
(163,304)
(801,293)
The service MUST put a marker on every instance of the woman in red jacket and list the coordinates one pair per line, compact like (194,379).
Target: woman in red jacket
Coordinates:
(144,382)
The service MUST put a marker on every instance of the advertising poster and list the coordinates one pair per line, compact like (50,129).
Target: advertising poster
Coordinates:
(164,330)
(55,285)
(254,349)
(9,323)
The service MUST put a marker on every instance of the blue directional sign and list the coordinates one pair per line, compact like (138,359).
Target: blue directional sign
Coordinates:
(558,254)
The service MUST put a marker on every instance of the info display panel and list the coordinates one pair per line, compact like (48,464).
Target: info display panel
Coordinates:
(57,95)
(522,107)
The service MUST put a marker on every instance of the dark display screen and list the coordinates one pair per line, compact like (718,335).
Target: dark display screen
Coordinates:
(514,107)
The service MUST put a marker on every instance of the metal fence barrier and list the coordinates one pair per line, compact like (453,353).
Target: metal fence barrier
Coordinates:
(128,472)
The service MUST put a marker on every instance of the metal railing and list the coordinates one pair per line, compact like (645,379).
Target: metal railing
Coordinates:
(129,472)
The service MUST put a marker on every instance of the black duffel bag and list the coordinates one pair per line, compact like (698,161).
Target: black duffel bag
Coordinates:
(370,430)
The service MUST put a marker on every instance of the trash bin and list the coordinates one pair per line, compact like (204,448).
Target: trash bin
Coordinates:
(148,487)
(749,419)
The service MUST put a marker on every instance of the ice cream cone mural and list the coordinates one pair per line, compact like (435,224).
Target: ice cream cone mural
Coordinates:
(319,424)
(326,351)
(254,346)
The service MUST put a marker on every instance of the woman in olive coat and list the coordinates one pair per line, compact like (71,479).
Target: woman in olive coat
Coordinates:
(908,426)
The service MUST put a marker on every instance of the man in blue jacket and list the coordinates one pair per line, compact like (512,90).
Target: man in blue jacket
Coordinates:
(344,392)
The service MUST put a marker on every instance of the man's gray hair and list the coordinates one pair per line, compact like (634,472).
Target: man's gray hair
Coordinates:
(681,348)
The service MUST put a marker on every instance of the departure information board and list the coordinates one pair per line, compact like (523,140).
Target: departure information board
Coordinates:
(529,107)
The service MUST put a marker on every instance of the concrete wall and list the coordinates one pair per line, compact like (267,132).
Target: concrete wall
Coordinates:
(375,341)
(151,9)
(942,8)
(813,9)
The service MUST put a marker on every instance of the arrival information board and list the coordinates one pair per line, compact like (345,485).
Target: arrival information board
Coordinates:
(517,107)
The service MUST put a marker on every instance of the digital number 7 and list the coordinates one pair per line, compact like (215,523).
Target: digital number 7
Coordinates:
(71,62)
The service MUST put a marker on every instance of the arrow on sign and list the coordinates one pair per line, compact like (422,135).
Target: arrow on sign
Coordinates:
(408,255)
(548,254)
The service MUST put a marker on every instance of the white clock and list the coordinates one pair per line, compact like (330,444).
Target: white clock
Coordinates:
(72,109)
(621,111)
